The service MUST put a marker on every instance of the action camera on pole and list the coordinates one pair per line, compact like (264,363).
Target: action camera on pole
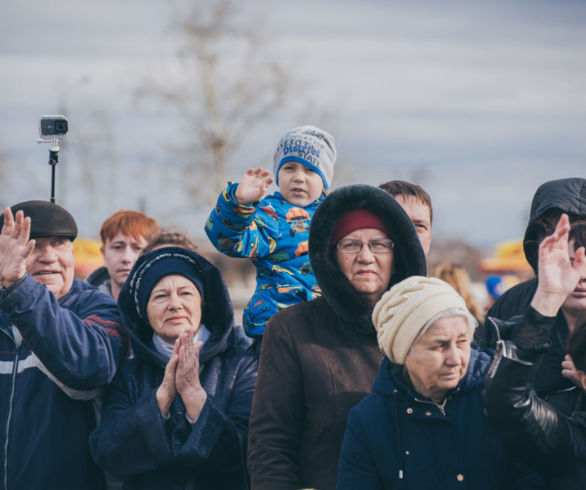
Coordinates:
(52,129)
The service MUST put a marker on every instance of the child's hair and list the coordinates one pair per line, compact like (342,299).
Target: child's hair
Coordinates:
(169,238)
(131,223)
(457,277)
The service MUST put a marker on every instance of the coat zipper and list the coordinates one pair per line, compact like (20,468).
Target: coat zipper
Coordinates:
(440,406)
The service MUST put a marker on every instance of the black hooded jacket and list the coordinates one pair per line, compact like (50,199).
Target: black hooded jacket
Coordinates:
(552,442)
(320,358)
(566,196)
(136,444)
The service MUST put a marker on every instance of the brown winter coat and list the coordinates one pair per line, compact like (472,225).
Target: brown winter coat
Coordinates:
(320,358)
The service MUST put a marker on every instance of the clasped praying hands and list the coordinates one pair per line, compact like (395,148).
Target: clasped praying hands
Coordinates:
(182,377)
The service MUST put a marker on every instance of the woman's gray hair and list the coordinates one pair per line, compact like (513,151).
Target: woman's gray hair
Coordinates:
(472,322)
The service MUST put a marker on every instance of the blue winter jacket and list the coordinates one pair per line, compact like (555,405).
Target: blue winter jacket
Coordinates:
(71,345)
(397,439)
(274,235)
(136,444)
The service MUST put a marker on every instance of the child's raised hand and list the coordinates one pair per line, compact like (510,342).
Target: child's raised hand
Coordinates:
(253,185)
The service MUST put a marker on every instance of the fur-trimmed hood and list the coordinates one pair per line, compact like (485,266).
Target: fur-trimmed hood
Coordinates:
(567,195)
(351,306)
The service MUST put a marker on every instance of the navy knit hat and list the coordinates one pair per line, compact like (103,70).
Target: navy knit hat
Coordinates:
(47,219)
(161,262)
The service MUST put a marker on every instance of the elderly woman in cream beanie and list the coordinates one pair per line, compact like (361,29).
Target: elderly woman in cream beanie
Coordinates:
(424,324)
(423,426)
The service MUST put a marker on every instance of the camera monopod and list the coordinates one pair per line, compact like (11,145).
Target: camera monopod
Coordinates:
(52,129)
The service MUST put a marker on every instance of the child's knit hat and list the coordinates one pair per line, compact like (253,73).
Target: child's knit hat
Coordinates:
(309,146)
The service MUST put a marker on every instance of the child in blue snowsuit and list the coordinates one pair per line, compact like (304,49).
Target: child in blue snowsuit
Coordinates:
(273,231)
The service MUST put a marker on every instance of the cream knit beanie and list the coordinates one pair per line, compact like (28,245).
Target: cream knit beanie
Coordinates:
(403,311)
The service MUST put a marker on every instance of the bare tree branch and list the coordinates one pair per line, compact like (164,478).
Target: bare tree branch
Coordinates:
(228,86)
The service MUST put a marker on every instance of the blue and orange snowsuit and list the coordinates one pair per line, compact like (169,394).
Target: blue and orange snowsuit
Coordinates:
(274,235)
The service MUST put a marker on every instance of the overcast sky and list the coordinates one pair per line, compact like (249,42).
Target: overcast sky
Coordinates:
(480,102)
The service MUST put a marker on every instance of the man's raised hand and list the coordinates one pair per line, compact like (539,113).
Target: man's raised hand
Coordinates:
(15,247)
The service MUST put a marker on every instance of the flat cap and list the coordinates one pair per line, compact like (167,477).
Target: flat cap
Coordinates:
(47,219)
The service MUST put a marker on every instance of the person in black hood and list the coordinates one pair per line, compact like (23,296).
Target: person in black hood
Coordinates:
(176,416)
(320,358)
(552,441)
(550,201)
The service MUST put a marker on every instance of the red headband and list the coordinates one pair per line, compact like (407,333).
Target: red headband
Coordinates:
(355,220)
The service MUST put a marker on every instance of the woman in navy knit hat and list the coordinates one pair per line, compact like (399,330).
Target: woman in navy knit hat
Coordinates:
(176,416)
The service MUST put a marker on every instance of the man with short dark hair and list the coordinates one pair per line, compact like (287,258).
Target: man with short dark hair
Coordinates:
(60,341)
(417,204)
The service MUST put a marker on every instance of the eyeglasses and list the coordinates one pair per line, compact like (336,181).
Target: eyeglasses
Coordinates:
(354,247)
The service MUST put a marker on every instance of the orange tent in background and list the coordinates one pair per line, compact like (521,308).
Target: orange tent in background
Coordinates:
(509,258)
(87,256)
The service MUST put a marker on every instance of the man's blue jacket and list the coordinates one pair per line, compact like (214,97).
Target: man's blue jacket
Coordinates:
(54,357)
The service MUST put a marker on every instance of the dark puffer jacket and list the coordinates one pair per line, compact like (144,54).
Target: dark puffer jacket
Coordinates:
(320,358)
(567,196)
(136,444)
(553,442)
(398,439)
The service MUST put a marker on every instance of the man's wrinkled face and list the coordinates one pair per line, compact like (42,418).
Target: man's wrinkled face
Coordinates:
(51,263)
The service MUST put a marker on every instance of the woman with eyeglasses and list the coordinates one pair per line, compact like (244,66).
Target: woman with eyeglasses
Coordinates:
(320,358)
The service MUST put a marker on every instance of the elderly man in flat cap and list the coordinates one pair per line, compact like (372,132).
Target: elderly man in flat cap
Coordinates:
(59,342)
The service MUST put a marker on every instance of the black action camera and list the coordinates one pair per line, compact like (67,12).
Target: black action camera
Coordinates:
(53,127)
(52,130)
